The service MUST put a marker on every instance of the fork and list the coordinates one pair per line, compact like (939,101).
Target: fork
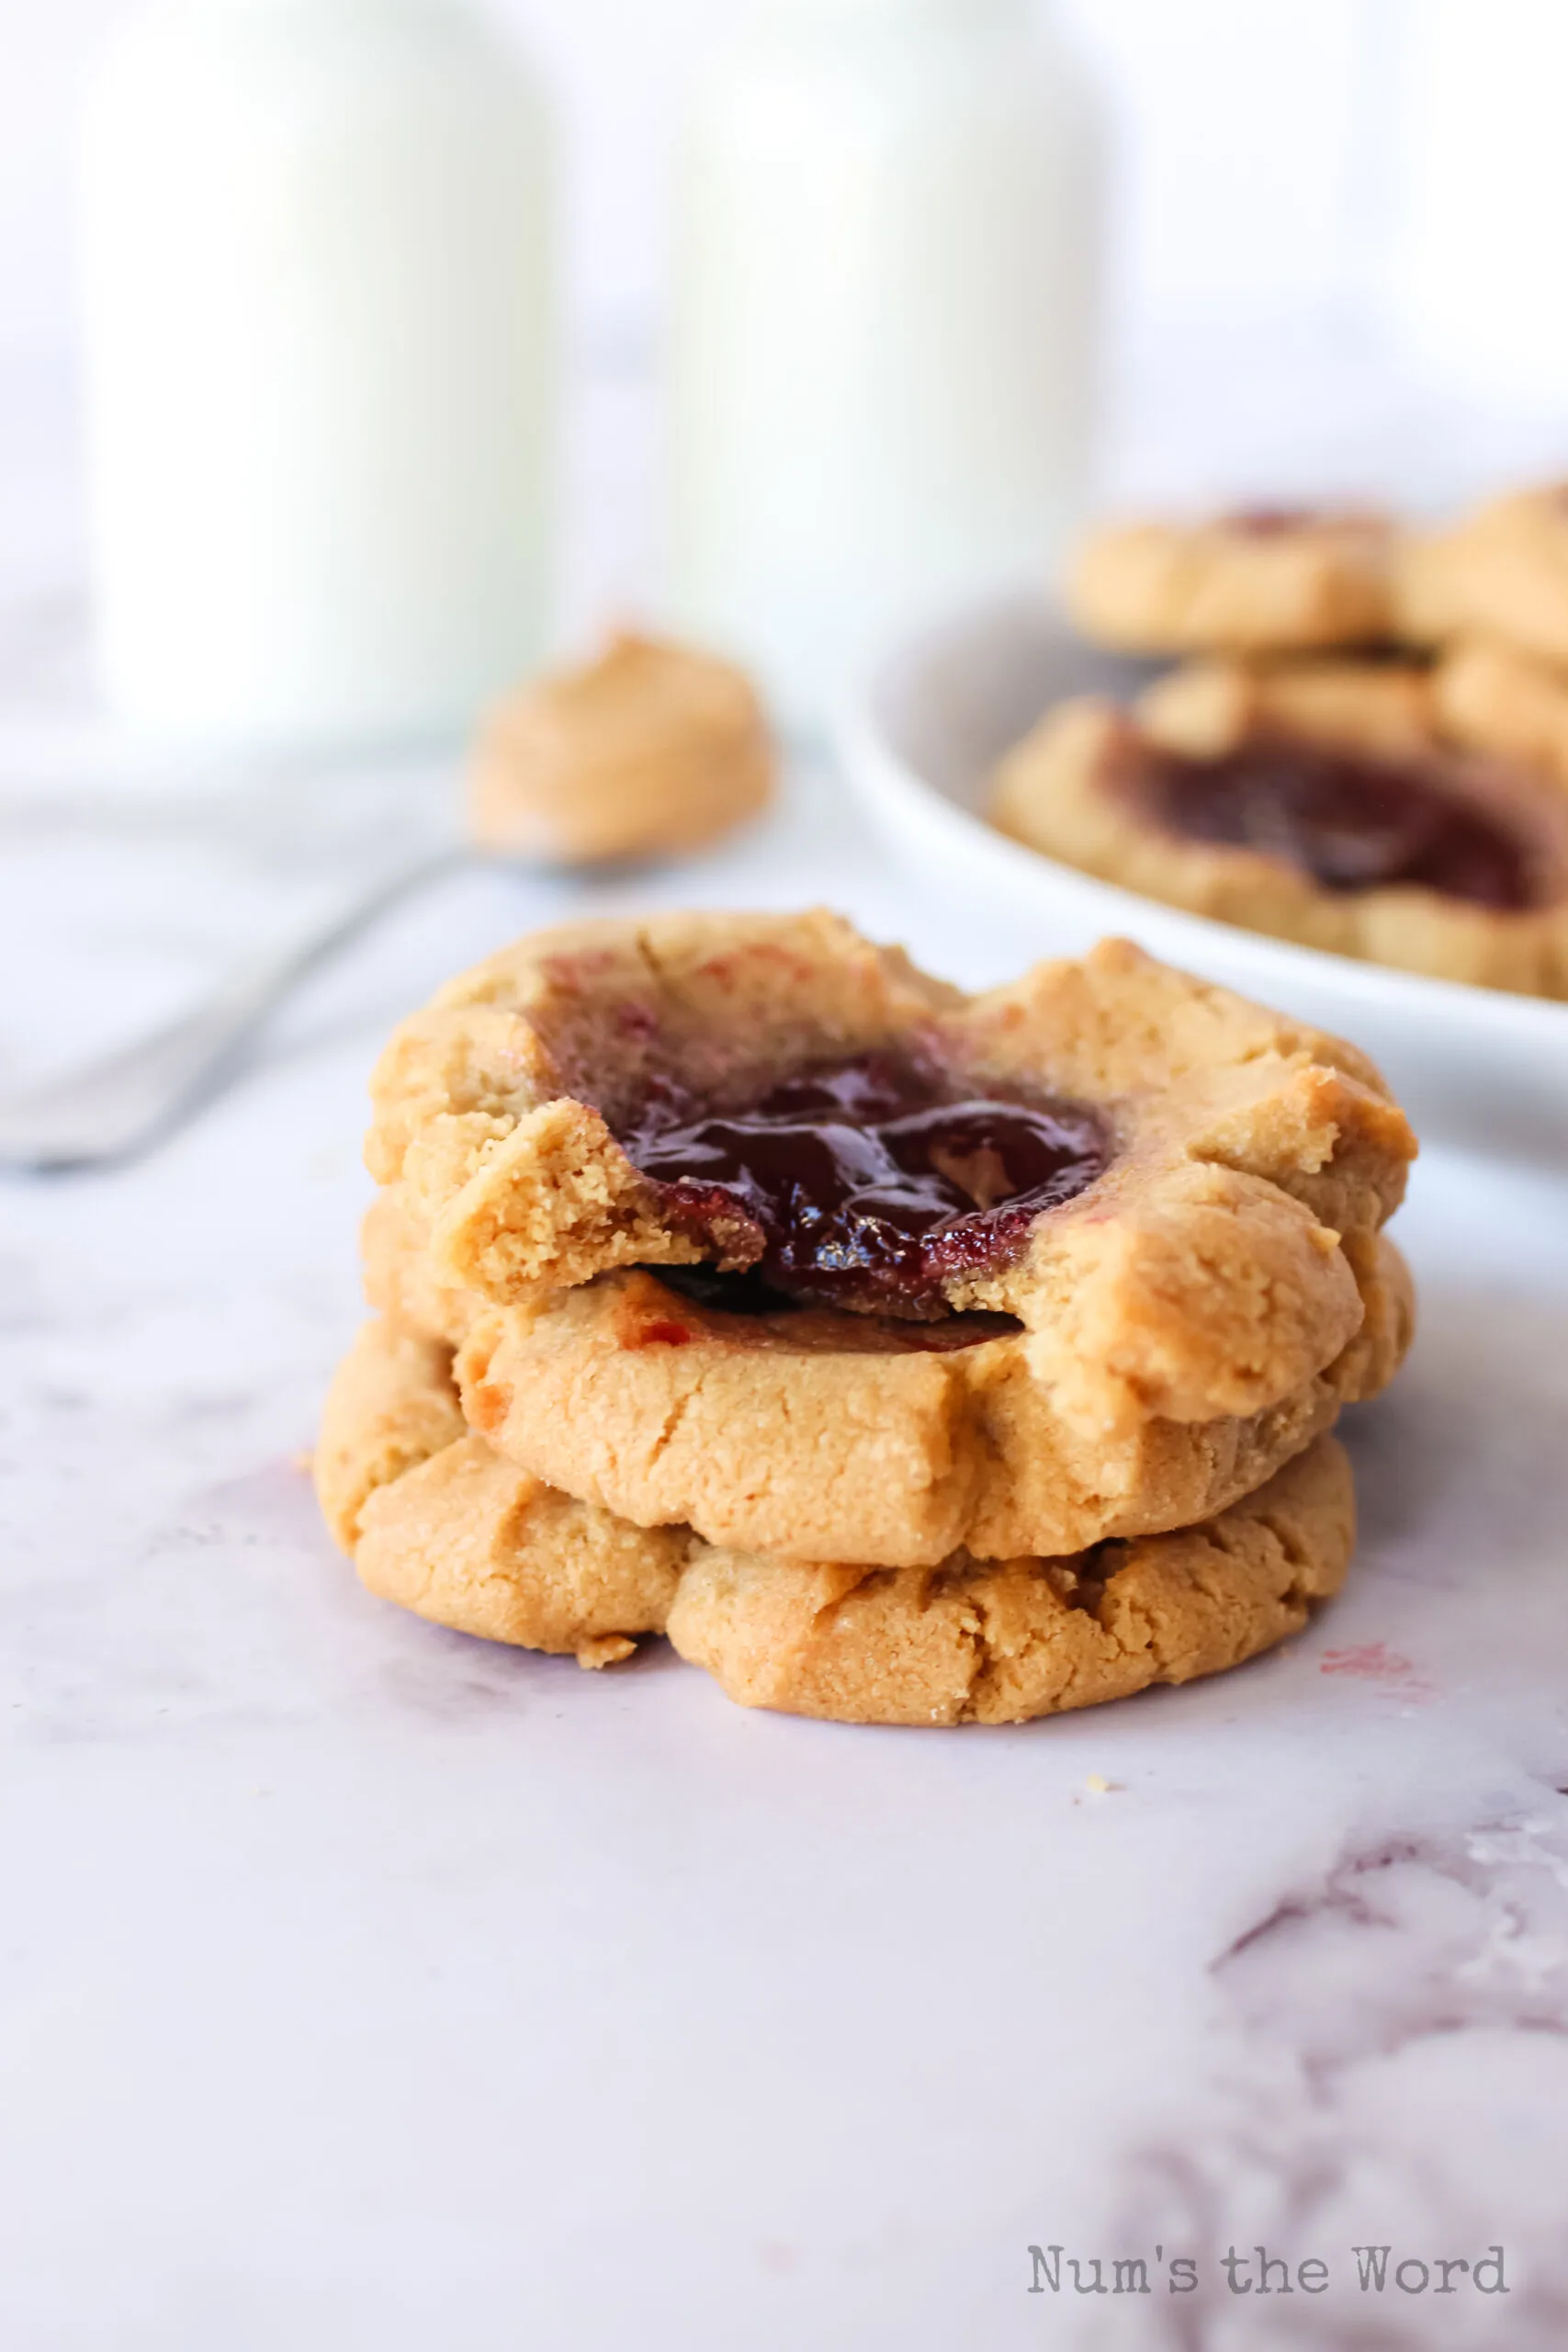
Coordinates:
(111,1109)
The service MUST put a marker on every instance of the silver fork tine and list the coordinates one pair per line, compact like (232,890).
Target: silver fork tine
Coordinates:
(115,1107)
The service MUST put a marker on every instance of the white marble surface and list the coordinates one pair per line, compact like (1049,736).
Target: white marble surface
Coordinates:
(361,1984)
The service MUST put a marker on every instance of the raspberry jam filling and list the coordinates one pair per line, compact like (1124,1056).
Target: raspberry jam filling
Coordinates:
(867,1183)
(1350,819)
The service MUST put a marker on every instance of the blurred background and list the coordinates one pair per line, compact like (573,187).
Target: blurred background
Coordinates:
(1314,252)
(1333,249)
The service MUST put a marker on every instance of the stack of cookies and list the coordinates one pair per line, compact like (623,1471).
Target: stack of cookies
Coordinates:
(1365,749)
(903,1356)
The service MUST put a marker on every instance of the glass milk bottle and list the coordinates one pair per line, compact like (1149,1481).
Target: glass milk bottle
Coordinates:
(882,371)
(319,356)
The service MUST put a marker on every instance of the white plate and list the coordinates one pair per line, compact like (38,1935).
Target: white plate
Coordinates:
(1472,1066)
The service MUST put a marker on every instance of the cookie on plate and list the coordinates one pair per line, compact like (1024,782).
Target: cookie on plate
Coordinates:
(1501,571)
(1318,824)
(1206,707)
(439,1522)
(788,1241)
(649,751)
(1274,579)
(1498,700)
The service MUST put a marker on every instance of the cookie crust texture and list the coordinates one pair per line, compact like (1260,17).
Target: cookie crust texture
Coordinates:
(761,1444)
(1023,1638)
(439,1522)
(1299,583)
(1184,1324)
(1501,571)
(1055,792)
(1498,700)
(1205,707)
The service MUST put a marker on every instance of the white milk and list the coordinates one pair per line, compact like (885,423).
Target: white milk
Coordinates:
(884,350)
(320,354)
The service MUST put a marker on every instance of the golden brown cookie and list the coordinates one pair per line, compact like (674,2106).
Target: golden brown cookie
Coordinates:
(1195,1256)
(1205,707)
(649,751)
(1498,700)
(391,1406)
(1003,1644)
(440,1524)
(1501,571)
(825,1436)
(1310,823)
(1266,582)
(494,1106)
(400,1279)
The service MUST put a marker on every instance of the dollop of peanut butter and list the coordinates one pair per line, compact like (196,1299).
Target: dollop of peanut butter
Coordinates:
(647,750)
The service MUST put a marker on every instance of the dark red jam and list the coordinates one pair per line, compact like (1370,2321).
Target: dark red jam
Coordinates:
(1351,820)
(866,1183)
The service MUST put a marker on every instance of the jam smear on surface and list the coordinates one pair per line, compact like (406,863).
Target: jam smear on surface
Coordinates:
(1352,820)
(868,1182)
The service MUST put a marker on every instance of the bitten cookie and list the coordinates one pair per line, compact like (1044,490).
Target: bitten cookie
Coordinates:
(440,1524)
(1311,809)
(649,751)
(1085,1256)
(1271,580)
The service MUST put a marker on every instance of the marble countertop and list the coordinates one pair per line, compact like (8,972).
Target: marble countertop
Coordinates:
(361,1984)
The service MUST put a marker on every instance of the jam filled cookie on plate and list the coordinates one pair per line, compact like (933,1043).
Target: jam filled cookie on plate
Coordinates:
(1497,699)
(1501,571)
(1208,706)
(1329,824)
(1271,580)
